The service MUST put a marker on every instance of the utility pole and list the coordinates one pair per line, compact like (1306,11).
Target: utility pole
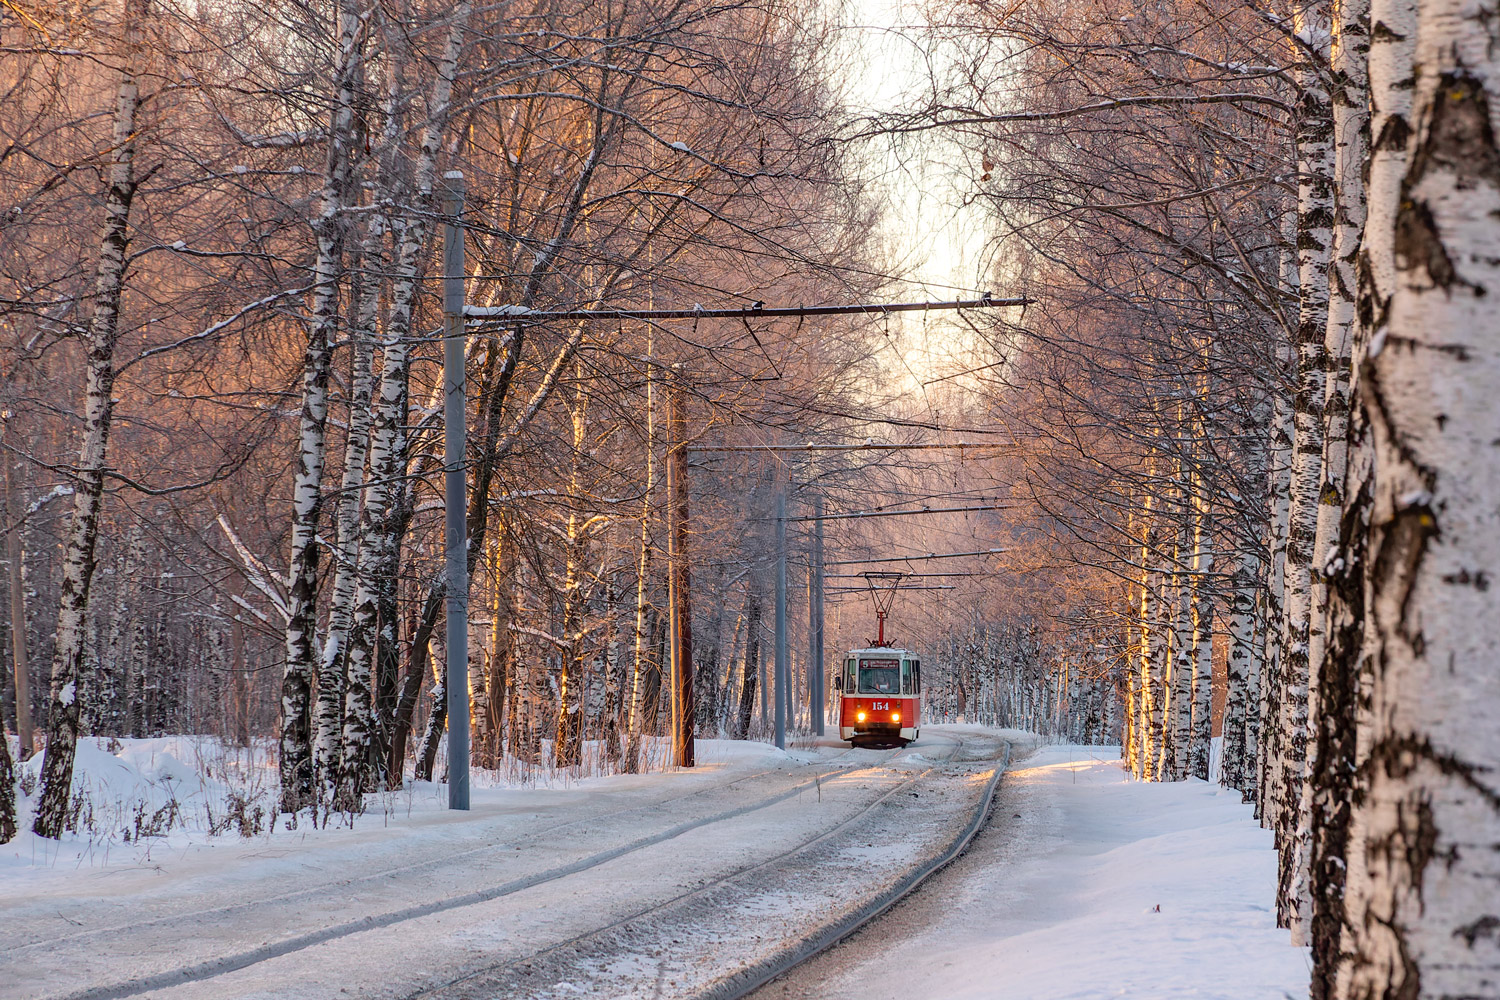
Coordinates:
(455,494)
(679,598)
(816,679)
(782,673)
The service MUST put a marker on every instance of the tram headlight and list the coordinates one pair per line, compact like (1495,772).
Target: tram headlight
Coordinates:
(895,716)
(860,716)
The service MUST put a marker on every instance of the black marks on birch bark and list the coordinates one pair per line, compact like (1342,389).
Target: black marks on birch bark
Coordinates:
(1459,141)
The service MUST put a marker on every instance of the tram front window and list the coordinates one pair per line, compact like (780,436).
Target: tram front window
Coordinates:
(879,677)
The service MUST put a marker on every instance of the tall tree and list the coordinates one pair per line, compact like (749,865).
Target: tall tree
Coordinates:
(83,530)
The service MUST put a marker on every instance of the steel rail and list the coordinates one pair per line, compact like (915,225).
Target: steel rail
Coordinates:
(210,968)
(753,977)
(572,944)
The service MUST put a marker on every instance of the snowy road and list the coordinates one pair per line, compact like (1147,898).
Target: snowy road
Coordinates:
(1083,886)
(654,885)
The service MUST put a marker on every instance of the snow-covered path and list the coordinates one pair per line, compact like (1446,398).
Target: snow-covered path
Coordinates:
(1084,886)
(659,882)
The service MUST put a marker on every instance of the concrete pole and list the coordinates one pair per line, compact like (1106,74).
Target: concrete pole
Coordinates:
(455,493)
(679,586)
(782,656)
(817,680)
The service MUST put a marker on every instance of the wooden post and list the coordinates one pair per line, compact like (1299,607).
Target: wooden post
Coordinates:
(817,678)
(455,494)
(14,554)
(783,672)
(684,713)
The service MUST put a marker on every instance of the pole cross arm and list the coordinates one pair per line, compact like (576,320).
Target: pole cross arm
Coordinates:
(511,313)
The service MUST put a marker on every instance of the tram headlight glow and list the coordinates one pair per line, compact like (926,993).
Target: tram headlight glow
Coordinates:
(895,716)
(860,716)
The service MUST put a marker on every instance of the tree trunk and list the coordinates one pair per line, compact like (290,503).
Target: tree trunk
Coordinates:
(333,683)
(1349,54)
(296,768)
(1422,920)
(1314,247)
(16,556)
(83,529)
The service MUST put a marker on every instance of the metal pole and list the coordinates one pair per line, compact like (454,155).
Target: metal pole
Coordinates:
(815,623)
(782,677)
(679,581)
(455,493)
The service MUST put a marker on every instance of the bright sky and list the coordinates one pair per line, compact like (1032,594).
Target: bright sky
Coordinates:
(931,236)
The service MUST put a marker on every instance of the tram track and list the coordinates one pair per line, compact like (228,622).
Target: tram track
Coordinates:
(535,975)
(755,976)
(426,864)
(224,964)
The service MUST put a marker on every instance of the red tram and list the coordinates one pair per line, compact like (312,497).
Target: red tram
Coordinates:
(878,697)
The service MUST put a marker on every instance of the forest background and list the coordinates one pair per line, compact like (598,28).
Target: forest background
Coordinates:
(1244,431)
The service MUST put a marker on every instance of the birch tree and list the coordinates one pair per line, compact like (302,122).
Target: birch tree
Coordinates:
(82,538)
(1420,920)
(296,761)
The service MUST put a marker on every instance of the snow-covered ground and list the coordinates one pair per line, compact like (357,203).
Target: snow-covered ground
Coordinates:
(1084,886)
(663,881)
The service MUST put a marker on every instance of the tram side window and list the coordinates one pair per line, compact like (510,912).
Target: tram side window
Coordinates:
(916,674)
(879,677)
(846,683)
(907,685)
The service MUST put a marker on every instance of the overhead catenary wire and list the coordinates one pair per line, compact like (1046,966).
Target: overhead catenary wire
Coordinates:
(913,558)
(898,513)
(865,446)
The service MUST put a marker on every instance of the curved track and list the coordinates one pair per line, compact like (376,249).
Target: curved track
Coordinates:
(754,977)
(686,899)
(220,965)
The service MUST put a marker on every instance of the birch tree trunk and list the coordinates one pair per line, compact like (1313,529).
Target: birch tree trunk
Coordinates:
(1423,919)
(1241,694)
(1202,645)
(7,791)
(1314,248)
(16,556)
(296,765)
(750,670)
(1272,599)
(333,683)
(1329,730)
(83,529)
(567,746)
(1338,865)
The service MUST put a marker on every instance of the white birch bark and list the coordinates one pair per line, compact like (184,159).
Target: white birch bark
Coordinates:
(83,529)
(1339,867)
(1314,248)
(296,764)
(1274,595)
(1242,694)
(1424,919)
(1348,55)
(332,682)
(1150,712)
(1201,645)
(633,723)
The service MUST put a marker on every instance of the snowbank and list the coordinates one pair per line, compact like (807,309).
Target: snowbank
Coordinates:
(133,797)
